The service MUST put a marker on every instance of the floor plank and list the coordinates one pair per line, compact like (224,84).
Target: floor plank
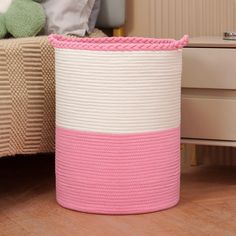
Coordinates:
(28,205)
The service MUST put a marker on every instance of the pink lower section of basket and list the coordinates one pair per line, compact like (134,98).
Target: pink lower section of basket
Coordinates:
(117,174)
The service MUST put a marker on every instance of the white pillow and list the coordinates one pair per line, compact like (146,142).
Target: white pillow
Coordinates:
(67,16)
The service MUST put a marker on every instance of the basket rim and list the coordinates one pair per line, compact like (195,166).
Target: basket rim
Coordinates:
(117,43)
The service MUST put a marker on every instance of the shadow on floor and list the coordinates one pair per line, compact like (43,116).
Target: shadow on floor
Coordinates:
(20,174)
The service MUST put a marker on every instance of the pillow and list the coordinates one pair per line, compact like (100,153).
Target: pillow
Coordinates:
(67,17)
(94,15)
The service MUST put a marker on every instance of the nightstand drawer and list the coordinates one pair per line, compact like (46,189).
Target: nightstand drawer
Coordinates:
(208,118)
(209,68)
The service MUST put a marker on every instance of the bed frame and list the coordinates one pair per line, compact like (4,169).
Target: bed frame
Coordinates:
(27,87)
(112,18)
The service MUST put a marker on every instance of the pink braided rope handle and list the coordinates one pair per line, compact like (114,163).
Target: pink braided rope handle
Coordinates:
(117,43)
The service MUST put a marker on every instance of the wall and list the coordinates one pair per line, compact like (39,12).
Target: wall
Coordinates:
(174,18)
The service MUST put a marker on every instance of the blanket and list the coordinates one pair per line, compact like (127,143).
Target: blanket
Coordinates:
(27,95)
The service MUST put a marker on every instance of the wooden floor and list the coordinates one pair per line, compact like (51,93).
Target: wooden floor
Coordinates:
(28,206)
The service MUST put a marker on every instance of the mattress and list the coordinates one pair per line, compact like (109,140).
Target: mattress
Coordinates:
(27,95)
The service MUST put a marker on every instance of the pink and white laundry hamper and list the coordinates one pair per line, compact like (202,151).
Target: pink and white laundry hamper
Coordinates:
(117,123)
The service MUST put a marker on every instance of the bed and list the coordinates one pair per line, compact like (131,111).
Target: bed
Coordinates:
(27,93)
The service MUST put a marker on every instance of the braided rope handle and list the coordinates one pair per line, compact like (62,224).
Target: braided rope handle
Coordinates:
(117,43)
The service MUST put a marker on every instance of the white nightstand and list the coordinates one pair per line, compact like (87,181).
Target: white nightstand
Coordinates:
(209,92)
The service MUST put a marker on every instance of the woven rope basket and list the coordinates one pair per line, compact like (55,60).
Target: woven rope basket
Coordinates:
(117,123)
